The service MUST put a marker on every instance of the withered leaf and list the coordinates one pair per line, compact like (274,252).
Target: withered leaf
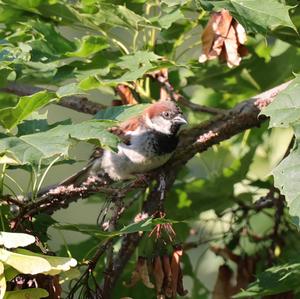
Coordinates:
(126,95)
(143,271)
(135,277)
(223,37)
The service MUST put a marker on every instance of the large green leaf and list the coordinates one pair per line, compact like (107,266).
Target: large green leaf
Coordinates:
(11,116)
(32,148)
(28,293)
(275,280)
(286,176)
(257,16)
(284,111)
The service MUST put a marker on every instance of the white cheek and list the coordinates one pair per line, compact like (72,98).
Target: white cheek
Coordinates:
(159,124)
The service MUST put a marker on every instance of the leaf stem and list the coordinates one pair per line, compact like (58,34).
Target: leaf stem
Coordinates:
(46,171)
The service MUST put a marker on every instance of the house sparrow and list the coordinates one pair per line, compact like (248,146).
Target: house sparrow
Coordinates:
(148,141)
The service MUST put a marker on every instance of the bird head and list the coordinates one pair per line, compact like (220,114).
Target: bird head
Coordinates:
(164,117)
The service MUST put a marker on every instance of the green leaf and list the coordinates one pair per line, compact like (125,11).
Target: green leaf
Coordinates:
(24,263)
(171,15)
(68,90)
(11,116)
(174,2)
(14,240)
(145,225)
(286,174)
(275,280)
(26,4)
(48,42)
(89,45)
(58,264)
(31,149)
(121,16)
(256,16)
(284,111)
(10,272)
(28,293)
(37,123)
(121,113)
(138,60)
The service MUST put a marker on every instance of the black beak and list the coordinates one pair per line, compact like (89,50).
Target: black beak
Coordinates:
(180,120)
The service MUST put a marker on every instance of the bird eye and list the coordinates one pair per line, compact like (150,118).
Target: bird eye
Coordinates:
(166,114)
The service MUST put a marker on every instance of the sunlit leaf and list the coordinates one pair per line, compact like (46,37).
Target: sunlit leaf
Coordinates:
(58,264)
(24,263)
(14,240)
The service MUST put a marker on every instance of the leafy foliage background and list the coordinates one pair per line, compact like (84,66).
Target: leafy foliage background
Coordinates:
(53,49)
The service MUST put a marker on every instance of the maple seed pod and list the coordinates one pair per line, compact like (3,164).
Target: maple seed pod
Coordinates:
(168,276)
(180,289)
(175,266)
(158,274)
(126,95)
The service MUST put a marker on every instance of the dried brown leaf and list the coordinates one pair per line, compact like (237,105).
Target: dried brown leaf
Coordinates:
(223,37)
(143,271)
(126,95)
(208,37)
(135,277)
(240,32)
(231,49)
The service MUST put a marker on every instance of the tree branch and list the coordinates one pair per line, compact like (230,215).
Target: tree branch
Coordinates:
(80,104)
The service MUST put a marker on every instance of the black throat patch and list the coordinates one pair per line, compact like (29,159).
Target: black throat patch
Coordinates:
(164,144)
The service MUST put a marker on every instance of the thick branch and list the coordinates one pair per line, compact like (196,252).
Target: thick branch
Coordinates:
(80,104)
(194,140)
